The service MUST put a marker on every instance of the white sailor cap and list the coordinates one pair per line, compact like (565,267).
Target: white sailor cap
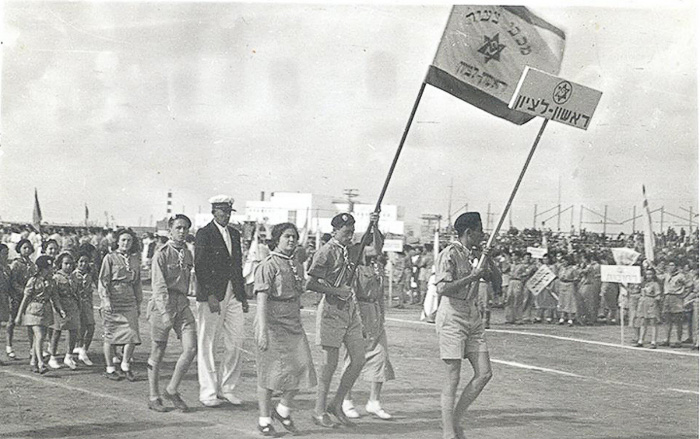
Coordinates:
(221,201)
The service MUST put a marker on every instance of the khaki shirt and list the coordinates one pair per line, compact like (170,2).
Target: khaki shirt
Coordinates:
(170,278)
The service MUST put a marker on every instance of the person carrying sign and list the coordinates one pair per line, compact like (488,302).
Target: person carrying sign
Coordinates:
(459,327)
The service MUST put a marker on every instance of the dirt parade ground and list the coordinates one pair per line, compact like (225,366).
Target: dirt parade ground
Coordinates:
(550,381)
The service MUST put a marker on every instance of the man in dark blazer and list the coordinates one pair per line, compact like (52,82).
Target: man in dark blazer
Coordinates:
(221,302)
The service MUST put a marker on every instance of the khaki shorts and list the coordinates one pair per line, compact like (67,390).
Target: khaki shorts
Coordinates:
(182,321)
(335,326)
(459,329)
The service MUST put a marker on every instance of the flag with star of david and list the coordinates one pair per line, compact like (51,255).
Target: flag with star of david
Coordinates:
(484,50)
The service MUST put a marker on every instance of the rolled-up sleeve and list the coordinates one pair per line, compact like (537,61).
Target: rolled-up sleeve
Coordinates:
(264,278)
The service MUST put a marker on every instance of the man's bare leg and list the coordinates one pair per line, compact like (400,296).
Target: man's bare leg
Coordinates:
(447,399)
(481,364)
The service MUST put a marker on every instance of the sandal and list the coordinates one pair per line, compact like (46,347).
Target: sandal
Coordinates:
(287,422)
(267,430)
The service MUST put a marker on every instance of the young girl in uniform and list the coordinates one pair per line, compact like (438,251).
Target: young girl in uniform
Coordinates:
(36,309)
(67,296)
(85,287)
(648,311)
(283,356)
(21,270)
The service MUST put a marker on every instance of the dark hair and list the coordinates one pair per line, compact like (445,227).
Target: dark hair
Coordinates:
(118,234)
(3,247)
(179,216)
(43,262)
(46,244)
(326,237)
(87,248)
(278,230)
(21,243)
(84,255)
(61,257)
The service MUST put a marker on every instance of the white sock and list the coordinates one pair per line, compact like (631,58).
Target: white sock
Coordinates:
(373,404)
(263,421)
(283,410)
(125,366)
(111,369)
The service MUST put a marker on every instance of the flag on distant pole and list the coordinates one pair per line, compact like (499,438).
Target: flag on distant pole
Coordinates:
(648,233)
(484,50)
(36,215)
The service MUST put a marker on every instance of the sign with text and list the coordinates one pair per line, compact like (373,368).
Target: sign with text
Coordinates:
(393,245)
(621,274)
(539,281)
(537,252)
(541,94)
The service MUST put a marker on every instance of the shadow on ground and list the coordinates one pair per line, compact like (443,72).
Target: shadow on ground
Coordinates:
(97,429)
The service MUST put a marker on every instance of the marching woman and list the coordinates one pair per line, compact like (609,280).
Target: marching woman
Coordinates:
(567,278)
(82,278)
(546,301)
(4,286)
(67,295)
(21,269)
(648,311)
(35,310)
(120,296)
(283,357)
(369,290)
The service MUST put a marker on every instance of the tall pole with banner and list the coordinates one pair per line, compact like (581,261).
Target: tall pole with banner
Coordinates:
(472,64)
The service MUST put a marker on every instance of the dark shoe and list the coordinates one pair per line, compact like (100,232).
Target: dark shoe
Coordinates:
(176,400)
(42,370)
(114,376)
(652,346)
(287,422)
(156,405)
(267,430)
(639,344)
(131,376)
(664,343)
(324,421)
(675,345)
(340,416)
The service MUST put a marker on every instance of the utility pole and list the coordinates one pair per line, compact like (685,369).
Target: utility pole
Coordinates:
(534,218)
(488,217)
(605,221)
(351,194)
(449,202)
(571,226)
(662,219)
(559,207)
(580,219)
(634,218)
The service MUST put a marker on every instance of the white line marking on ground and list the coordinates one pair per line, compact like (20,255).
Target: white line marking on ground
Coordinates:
(557,337)
(574,375)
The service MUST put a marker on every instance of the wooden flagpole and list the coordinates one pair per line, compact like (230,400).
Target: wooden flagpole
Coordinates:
(494,233)
(378,206)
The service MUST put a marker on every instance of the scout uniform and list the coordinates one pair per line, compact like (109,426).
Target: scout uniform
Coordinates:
(337,320)
(170,280)
(21,270)
(120,286)
(84,290)
(41,295)
(458,322)
(67,295)
(674,294)
(286,364)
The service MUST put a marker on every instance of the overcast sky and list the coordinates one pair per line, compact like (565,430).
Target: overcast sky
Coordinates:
(113,104)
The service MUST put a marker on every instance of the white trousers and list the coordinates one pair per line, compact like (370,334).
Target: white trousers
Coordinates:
(211,327)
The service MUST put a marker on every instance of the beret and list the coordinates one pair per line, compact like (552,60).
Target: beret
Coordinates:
(467,220)
(342,219)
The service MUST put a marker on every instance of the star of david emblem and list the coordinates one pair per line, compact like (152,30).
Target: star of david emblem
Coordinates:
(492,48)
(562,92)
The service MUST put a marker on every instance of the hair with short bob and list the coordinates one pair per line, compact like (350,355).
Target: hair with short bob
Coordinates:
(48,242)
(21,243)
(61,257)
(118,234)
(278,230)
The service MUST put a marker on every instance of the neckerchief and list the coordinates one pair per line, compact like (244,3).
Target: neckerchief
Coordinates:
(291,264)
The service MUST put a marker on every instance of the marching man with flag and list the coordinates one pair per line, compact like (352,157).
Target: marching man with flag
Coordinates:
(458,323)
